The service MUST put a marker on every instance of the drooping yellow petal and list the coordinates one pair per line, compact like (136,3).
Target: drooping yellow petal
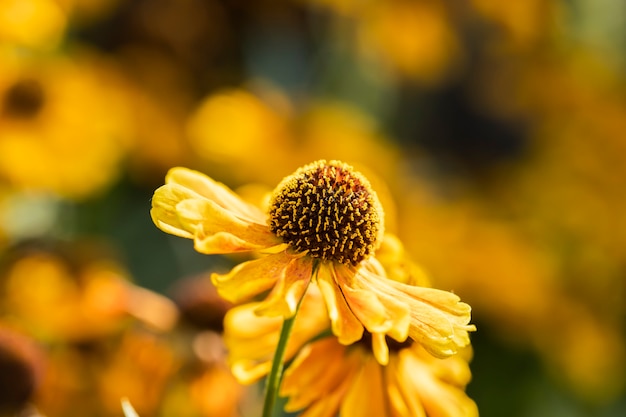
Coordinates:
(368,309)
(216,192)
(345,325)
(289,289)
(193,206)
(163,212)
(438,319)
(217,230)
(378,310)
(250,278)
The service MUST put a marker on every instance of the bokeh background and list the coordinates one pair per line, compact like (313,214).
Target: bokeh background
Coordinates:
(494,131)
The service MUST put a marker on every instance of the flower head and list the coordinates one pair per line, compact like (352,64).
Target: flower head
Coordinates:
(328,211)
(324,223)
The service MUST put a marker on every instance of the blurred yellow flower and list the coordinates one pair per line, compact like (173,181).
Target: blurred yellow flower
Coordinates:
(36,24)
(65,124)
(252,126)
(416,39)
(324,222)
(66,294)
(327,379)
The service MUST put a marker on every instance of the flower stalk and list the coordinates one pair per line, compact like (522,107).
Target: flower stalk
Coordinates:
(274,378)
(275,375)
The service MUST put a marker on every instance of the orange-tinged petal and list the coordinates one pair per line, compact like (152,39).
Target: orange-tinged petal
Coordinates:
(214,191)
(439,395)
(252,277)
(344,323)
(318,378)
(402,399)
(366,396)
(289,289)
(251,341)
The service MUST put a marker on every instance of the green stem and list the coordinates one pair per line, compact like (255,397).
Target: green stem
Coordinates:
(274,377)
(276,373)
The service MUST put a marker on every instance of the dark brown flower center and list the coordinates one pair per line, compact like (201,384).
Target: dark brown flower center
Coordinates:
(23,99)
(328,210)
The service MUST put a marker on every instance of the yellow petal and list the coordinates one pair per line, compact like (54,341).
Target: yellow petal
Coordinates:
(163,212)
(439,395)
(214,191)
(344,323)
(403,399)
(251,339)
(368,309)
(217,230)
(318,387)
(438,319)
(289,289)
(251,278)
(380,348)
(373,303)
(194,206)
(366,396)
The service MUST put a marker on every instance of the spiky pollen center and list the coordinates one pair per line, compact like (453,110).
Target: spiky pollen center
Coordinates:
(328,210)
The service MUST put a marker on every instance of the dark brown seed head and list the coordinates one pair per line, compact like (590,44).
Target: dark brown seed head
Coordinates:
(329,211)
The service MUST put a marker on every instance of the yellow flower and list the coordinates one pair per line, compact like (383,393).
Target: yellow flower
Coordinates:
(43,145)
(327,379)
(38,24)
(324,223)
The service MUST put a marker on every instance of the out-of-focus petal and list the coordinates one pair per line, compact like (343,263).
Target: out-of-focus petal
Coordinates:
(366,396)
(440,394)
(325,385)
(251,339)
